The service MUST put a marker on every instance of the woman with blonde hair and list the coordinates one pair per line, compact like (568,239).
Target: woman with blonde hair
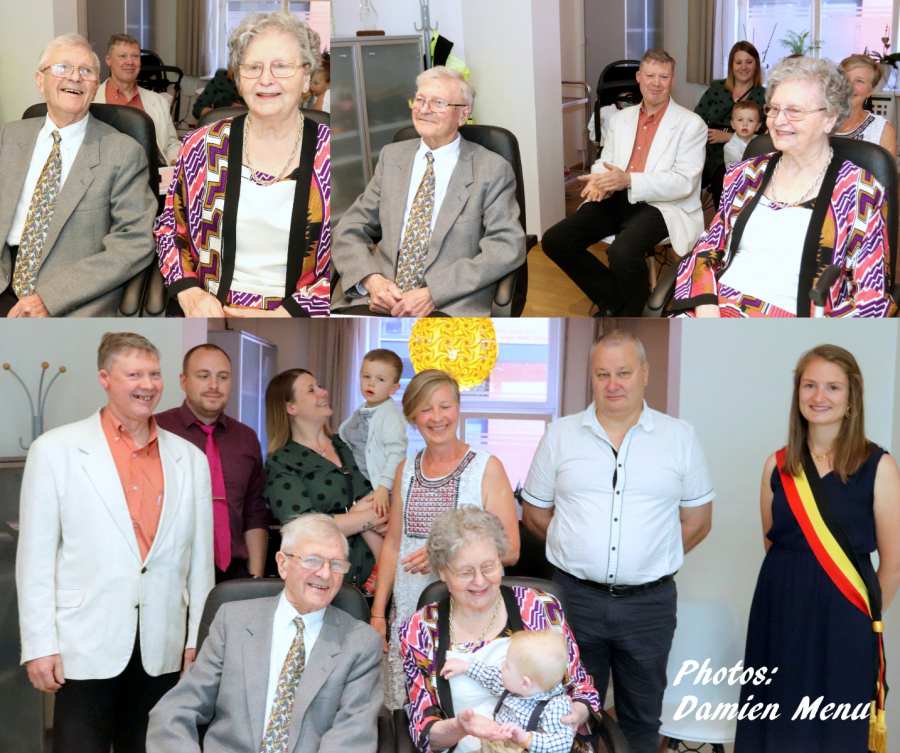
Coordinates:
(828,500)
(308,470)
(864,74)
(444,476)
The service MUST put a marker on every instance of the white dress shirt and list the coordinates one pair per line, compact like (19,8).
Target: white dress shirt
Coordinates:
(283,633)
(70,142)
(617,513)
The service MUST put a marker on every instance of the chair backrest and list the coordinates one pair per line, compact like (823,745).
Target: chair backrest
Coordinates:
(220,113)
(871,157)
(349,599)
(130,121)
(615,78)
(438,590)
(496,139)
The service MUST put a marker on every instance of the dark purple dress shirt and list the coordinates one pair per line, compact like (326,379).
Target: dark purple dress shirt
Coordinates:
(242,466)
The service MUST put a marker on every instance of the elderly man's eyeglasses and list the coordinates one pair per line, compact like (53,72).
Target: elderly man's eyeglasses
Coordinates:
(313,562)
(279,70)
(437,105)
(791,113)
(468,575)
(64,70)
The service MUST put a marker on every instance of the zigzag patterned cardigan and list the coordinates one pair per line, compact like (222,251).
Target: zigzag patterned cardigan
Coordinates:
(847,228)
(195,232)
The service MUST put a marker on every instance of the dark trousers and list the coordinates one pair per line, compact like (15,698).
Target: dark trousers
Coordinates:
(8,298)
(236,571)
(629,636)
(91,715)
(637,227)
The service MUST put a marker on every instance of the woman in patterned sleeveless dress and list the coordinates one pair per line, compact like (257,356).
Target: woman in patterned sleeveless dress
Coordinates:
(445,475)
(864,73)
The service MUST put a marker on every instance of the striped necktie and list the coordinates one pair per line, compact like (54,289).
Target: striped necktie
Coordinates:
(37,222)
(414,249)
(279,727)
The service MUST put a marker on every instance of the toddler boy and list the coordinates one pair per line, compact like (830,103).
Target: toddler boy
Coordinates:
(746,118)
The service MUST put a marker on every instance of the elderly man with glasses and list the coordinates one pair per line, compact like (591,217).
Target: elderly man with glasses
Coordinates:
(289,672)
(76,209)
(438,225)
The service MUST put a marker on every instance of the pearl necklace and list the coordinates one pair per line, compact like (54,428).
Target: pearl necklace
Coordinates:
(786,204)
(283,170)
(484,634)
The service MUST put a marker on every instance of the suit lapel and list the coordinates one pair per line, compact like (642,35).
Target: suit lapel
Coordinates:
(173,485)
(100,468)
(454,201)
(625,145)
(663,136)
(15,167)
(256,652)
(319,666)
(77,181)
(394,198)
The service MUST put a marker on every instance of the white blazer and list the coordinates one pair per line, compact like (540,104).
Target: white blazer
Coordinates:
(671,179)
(157,107)
(385,445)
(83,590)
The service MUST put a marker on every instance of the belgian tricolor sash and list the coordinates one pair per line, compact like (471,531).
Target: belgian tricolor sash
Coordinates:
(835,552)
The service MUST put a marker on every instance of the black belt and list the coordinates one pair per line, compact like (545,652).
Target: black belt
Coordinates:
(614,590)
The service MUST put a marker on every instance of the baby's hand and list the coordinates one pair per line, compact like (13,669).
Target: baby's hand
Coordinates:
(520,735)
(381,501)
(454,667)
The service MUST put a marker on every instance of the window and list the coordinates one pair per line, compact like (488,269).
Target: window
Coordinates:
(843,27)
(508,413)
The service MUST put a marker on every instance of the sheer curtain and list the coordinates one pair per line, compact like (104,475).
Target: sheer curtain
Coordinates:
(194,43)
(711,32)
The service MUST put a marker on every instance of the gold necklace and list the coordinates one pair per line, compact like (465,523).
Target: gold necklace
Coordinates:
(287,165)
(786,204)
(483,634)
(820,458)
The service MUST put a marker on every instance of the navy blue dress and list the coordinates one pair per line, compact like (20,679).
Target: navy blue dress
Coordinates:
(802,624)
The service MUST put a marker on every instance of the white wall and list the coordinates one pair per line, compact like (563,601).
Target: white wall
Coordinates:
(736,385)
(571,43)
(400,17)
(26,28)
(72,343)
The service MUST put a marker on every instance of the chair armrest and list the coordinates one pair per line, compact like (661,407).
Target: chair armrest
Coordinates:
(502,303)
(662,293)
(133,292)
(155,299)
(386,742)
(612,736)
(819,292)
(402,741)
(530,242)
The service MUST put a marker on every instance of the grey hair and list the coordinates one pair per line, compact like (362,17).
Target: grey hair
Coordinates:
(836,89)
(63,42)
(311,526)
(254,25)
(453,529)
(619,336)
(442,73)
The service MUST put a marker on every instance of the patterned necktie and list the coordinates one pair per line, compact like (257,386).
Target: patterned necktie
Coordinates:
(279,727)
(221,521)
(37,222)
(413,250)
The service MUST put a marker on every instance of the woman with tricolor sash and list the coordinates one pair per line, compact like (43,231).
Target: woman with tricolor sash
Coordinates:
(828,500)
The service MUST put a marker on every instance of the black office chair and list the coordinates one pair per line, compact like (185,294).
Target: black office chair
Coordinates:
(608,731)
(159,78)
(137,124)
(220,113)
(871,157)
(615,78)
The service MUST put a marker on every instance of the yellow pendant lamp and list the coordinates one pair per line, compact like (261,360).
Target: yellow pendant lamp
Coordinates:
(465,348)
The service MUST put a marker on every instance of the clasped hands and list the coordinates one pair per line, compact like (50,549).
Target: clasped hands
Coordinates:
(195,302)
(29,306)
(380,521)
(597,186)
(386,298)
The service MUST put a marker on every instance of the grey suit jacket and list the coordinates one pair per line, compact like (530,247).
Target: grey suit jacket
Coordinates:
(336,702)
(101,231)
(477,237)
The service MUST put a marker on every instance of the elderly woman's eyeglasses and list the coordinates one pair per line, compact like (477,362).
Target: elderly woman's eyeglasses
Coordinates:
(468,575)
(279,70)
(313,562)
(791,113)
(64,70)
(437,105)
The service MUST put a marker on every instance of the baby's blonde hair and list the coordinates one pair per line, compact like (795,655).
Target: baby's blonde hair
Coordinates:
(542,655)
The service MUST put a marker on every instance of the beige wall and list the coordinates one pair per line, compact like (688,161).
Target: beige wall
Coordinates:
(25,29)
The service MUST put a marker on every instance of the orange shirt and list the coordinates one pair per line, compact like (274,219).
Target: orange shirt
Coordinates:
(114,96)
(646,130)
(141,474)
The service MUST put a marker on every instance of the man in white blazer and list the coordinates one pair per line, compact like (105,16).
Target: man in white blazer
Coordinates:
(115,558)
(123,56)
(644,187)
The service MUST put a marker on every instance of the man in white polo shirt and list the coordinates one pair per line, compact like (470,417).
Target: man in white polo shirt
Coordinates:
(620,492)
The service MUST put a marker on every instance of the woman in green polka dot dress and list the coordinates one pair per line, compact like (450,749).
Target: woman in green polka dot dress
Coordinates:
(310,471)
(744,82)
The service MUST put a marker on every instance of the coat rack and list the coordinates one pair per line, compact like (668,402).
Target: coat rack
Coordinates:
(426,30)
(37,419)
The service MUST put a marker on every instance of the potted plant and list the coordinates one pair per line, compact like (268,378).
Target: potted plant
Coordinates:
(797,44)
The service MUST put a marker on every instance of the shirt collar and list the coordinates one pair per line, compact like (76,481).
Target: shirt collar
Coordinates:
(188,417)
(285,614)
(68,135)
(657,116)
(112,420)
(443,152)
(589,419)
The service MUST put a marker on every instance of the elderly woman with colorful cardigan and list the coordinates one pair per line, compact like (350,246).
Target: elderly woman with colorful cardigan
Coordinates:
(246,230)
(786,216)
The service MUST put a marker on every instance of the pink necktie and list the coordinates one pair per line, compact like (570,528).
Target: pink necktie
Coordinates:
(221,524)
